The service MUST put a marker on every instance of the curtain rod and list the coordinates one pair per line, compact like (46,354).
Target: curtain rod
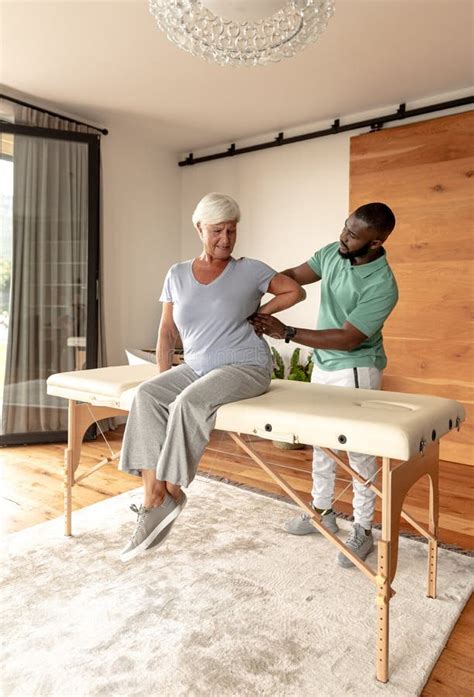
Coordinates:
(104,131)
(376,124)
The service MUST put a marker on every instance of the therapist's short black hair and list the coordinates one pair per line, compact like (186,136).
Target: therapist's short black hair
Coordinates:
(377,216)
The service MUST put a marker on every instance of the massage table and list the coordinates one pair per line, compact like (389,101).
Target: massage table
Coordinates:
(403,429)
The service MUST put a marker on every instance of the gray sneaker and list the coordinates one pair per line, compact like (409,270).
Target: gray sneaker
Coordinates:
(302,525)
(360,543)
(164,533)
(150,522)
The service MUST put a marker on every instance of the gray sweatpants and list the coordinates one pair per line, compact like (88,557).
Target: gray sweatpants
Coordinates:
(172,417)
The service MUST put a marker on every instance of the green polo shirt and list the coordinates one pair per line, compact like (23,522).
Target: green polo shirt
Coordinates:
(363,295)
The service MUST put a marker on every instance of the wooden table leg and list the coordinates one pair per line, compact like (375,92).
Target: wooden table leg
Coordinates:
(68,477)
(80,417)
(433,528)
(383,611)
(383,577)
(69,466)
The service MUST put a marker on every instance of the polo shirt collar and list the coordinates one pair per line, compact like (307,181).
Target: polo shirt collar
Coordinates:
(365,270)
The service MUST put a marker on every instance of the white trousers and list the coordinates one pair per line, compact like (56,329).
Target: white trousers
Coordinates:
(324,468)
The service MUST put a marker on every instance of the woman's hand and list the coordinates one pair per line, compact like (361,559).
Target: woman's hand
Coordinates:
(266,324)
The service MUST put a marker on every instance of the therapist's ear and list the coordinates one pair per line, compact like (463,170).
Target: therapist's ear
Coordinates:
(375,244)
(198,228)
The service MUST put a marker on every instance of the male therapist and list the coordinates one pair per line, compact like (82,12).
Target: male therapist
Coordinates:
(358,292)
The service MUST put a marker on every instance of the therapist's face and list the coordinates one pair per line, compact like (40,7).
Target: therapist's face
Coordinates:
(357,239)
(218,239)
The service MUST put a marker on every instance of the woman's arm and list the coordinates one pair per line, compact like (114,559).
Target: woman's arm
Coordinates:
(287,292)
(167,335)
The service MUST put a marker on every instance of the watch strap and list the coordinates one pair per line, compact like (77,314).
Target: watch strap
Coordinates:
(289,334)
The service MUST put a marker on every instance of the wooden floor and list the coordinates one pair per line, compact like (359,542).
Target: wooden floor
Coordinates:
(32,491)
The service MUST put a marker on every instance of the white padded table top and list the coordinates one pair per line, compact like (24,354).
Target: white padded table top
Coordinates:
(102,386)
(388,424)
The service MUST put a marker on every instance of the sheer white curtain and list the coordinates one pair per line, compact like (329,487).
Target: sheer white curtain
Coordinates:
(48,306)
(48,298)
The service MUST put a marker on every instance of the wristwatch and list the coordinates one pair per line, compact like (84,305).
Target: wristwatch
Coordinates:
(290,333)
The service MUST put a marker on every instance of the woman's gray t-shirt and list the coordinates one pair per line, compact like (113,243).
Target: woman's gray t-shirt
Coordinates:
(212,319)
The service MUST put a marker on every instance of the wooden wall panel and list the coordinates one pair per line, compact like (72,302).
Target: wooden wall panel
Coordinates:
(425,173)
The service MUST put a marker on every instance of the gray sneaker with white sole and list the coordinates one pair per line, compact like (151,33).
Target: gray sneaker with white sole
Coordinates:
(358,542)
(164,533)
(150,523)
(302,525)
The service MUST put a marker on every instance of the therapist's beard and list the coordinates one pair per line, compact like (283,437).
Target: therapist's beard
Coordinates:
(362,252)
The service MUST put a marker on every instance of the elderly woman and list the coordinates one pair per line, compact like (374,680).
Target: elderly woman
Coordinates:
(207,301)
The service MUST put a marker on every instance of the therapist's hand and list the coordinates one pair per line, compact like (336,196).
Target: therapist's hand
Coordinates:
(266,324)
(251,319)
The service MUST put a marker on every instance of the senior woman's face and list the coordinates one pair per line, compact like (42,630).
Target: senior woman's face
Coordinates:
(219,238)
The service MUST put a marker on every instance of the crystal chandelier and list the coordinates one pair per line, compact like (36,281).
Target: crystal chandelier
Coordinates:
(242,32)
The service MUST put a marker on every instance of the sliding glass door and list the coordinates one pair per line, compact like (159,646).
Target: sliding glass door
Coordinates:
(49,255)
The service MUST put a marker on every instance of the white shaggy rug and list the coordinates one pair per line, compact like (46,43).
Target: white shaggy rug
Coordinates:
(230,605)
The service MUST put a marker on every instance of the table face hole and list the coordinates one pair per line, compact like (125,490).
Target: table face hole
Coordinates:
(386,405)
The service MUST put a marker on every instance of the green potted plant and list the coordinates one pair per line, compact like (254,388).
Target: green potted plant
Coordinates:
(278,365)
(297,371)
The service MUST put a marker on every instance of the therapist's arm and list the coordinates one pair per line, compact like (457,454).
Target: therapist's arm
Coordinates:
(167,335)
(347,338)
(287,292)
(302,274)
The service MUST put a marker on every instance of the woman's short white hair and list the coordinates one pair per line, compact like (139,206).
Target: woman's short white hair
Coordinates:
(216,208)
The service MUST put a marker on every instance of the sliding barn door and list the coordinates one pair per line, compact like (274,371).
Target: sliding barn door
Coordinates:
(425,173)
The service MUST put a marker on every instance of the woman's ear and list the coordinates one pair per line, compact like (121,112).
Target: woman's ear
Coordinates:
(198,228)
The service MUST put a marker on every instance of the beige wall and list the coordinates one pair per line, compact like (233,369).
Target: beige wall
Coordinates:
(141,231)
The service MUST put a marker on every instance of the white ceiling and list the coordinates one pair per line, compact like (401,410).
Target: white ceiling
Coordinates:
(107,61)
